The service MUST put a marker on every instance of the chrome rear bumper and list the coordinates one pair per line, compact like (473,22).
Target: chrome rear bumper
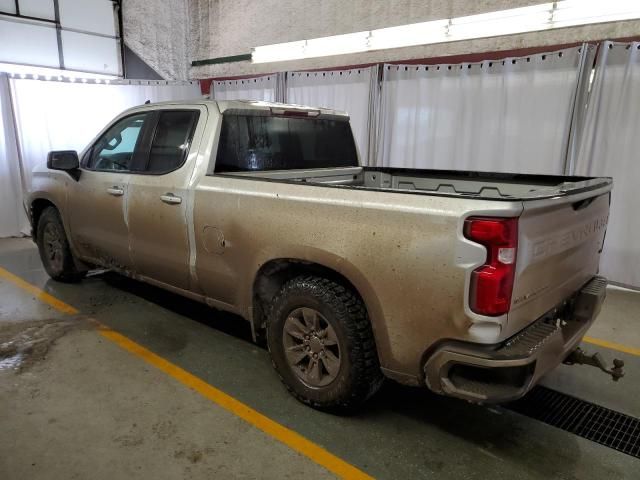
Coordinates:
(505,372)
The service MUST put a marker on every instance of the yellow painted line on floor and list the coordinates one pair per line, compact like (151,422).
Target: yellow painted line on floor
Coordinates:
(293,440)
(613,345)
(39,294)
(290,438)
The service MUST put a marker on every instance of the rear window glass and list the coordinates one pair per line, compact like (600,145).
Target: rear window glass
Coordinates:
(254,143)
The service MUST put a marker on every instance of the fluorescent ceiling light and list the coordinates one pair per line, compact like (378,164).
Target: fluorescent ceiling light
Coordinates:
(502,22)
(545,16)
(316,47)
(336,45)
(278,52)
(581,12)
(27,71)
(407,35)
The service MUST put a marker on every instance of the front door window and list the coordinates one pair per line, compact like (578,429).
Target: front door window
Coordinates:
(114,149)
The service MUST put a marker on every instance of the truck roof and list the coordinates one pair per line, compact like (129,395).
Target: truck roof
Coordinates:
(224,105)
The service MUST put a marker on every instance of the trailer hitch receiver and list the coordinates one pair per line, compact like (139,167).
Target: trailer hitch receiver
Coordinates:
(580,357)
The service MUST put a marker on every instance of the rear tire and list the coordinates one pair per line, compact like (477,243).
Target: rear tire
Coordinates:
(53,246)
(321,344)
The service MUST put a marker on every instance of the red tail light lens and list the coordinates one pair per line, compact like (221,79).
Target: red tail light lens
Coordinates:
(492,283)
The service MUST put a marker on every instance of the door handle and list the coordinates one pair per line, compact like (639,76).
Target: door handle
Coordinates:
(171,199)
(115,191)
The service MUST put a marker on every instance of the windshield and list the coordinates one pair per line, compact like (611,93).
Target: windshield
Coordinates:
(255,143)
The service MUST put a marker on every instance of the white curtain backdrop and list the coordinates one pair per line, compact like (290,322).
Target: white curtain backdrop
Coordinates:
(354,91)
(60,115)
(12,218)
(507,116)
(255,88)
(610,146)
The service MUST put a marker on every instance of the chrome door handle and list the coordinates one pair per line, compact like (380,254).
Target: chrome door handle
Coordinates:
(170,198)
(115,191)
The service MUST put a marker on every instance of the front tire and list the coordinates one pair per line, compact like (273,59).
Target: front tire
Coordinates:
(321,344)
(53,246)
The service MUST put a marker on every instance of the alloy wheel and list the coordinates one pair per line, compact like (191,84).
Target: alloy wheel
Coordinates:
(311,347)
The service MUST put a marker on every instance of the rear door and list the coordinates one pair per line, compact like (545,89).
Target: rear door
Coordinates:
(559,244)
(98,203)
(160,196)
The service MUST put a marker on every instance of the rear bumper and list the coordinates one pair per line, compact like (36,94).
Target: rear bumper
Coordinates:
(505,372)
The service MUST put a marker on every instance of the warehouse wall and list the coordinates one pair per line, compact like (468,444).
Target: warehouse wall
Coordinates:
(157,32)
(231,27)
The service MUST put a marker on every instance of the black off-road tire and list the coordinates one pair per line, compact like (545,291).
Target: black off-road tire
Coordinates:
(359,375)
(53,246)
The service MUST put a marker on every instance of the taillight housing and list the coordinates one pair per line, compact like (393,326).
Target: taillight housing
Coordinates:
(492,283)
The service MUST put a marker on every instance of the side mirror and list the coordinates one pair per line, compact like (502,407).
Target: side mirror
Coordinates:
(66,160)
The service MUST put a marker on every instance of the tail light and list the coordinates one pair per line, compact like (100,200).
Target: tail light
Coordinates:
(492,283)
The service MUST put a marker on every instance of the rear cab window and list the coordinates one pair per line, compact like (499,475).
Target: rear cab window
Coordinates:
(262,143)
(171,140)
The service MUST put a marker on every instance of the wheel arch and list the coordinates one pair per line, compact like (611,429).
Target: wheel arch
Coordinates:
(274,273)
(36,207)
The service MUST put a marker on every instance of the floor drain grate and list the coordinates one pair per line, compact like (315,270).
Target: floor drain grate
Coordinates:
(588,420)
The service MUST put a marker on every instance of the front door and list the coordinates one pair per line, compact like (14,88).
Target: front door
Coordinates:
(98,204)
(160,197)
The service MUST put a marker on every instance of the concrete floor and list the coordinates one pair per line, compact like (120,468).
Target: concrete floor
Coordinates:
(74,405)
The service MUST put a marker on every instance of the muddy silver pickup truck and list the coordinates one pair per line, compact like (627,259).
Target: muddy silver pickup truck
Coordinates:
(472,284)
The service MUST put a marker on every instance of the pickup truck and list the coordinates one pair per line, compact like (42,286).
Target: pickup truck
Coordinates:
(472,284)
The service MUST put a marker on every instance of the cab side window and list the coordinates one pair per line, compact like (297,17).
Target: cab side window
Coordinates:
(114,150)
(171,140)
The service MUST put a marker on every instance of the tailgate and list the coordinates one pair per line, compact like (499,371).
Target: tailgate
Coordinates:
(559,245)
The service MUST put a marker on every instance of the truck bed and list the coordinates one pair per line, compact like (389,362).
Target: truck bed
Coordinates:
(452,183)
